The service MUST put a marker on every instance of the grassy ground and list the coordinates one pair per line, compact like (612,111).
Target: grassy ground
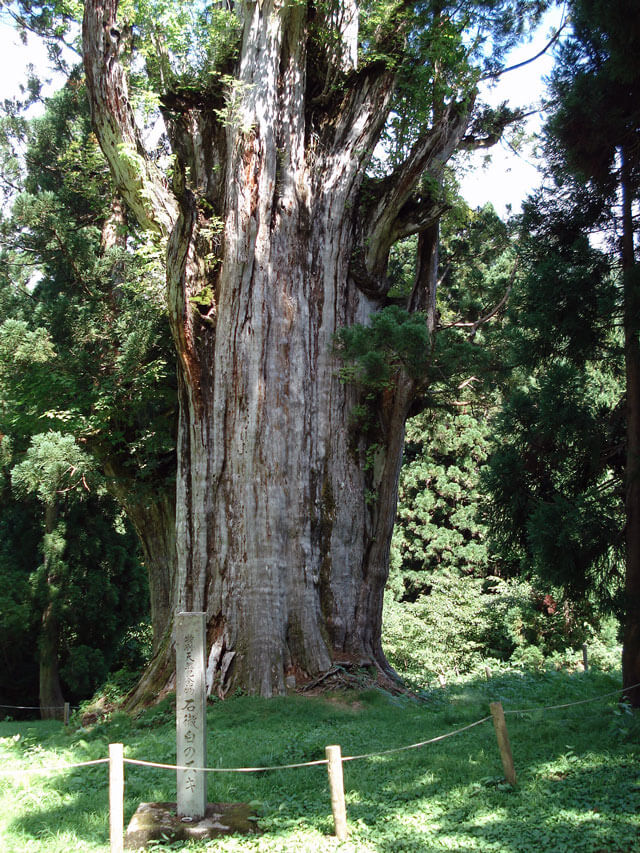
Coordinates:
(578,772)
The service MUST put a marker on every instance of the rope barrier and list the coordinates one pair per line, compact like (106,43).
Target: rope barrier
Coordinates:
(415,745)
(224,769)
(570,704)
(317,763)
(303,763)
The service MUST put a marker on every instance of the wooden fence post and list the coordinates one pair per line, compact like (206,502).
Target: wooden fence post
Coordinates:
(336,786)
(67,713)
(116,797)
(585,657)
(503,742)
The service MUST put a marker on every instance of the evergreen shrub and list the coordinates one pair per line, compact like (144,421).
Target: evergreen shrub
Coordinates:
(464,624)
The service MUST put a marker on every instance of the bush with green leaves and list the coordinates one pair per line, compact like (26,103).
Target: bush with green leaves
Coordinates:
(465,623)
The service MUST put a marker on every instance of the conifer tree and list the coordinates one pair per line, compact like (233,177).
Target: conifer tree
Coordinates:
(567,484)
(85,371)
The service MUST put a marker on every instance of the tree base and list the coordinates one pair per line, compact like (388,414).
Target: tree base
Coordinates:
(345,675)
(157,681)
(347,672)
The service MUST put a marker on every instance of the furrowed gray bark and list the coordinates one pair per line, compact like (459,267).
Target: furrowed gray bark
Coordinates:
(278,539)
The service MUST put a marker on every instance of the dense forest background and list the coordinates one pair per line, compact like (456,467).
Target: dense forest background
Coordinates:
(517,491)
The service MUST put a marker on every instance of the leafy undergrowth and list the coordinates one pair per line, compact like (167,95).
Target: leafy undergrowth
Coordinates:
(578,771)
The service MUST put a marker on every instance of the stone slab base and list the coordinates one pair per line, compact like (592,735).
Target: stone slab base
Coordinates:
(158,821)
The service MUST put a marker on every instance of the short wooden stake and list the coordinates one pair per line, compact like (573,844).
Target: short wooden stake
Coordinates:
(503,742)
(585,657)
(487,672)
(67,711)
(336,786)
(116,797)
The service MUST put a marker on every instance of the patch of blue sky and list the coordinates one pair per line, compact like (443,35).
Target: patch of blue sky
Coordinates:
(506,174)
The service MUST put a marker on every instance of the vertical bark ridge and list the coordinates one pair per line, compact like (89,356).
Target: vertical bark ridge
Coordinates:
(136,178)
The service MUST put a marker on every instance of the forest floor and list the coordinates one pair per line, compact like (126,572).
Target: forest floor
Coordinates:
(578,785)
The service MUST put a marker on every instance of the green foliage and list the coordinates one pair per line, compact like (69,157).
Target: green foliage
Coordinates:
(23,346)
(464,623)
(478,261)
(567,293)
(20,539)
(476,255)
(99,590)
(555,507)
(52,465)
(436,526)
(93,318)
(596,87)
(180,43)
(556,475)
(449,614)
(477,271)
(446,50)
(373,354)
(85,326)
(26,384)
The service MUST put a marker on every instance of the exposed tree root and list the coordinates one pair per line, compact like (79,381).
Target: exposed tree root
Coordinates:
(350,676)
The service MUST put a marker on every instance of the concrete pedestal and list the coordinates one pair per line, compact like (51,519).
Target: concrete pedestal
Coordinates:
(155,821)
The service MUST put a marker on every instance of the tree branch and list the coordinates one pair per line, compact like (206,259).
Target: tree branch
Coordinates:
(474,324)
(41,32)
(416,215)
(386,218)
(495,74)
(137,179)
(488,127)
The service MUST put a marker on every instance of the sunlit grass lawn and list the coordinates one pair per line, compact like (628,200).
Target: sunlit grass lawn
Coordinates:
(578,772)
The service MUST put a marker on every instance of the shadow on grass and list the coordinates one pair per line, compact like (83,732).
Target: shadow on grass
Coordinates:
(579,783)
(71,804)
(594,809)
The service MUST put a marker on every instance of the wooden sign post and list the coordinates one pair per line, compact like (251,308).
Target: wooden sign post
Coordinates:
(336,786)
(191,717)
(503,742)
(116,797)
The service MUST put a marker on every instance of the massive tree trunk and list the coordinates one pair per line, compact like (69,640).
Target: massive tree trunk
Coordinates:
(284,510)
(276,540)
(153,517)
